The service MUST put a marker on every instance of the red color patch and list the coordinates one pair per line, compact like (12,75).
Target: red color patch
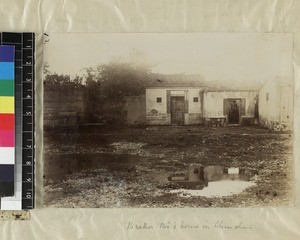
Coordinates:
(7,121)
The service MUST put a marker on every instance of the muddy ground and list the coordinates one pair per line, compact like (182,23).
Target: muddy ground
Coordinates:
(129,167)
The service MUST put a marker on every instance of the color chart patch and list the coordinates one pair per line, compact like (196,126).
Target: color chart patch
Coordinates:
(7,120)
(19,117)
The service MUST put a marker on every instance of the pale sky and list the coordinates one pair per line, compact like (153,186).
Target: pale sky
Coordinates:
(216,56)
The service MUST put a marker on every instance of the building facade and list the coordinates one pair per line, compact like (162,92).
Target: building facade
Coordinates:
(230,107)
(276,104)
(173,105)
(184,100)
(174,99)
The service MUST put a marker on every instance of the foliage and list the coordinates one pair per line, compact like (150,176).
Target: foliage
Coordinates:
(109,84)
(55,82)
(106,85)
(118,79)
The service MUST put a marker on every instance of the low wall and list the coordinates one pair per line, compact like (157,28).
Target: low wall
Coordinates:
(158,119)
(193,119)
(136,110)
(64,108)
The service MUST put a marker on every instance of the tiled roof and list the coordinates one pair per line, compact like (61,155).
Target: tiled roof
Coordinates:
(197,80)
(176,80)
(231,85)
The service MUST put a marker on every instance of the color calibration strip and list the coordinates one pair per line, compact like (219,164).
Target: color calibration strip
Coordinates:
(24,44)
(7,120)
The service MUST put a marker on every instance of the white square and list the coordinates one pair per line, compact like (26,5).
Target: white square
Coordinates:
(7,155)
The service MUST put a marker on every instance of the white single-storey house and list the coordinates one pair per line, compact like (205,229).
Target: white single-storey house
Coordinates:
(232,107)
(276,103)
(188,99)
(174,99)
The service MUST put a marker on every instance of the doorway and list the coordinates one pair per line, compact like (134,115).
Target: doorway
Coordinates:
(232,108)
(177,110)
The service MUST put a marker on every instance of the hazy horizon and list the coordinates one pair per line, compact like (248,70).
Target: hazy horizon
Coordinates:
(243,57)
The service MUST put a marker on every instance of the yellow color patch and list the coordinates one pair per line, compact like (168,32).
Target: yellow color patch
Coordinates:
(7,105)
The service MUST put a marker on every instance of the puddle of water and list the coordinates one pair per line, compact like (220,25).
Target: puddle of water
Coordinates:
(220,181)
(218,173)
(221,188)
(198,173)
(58,166)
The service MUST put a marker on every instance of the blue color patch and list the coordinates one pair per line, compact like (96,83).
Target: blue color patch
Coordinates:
(7,71)
(7,53)
(7,172)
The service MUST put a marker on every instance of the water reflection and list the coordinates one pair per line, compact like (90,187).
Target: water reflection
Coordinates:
(218,173)
(221,188)
(213,181)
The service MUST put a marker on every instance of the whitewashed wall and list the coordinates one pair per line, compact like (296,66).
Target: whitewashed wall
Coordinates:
(151,95)
(279,106)
(194,107)
(269,109)
(213,102)
(161,115)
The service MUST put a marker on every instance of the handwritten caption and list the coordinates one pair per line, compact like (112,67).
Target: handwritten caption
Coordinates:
(182,225)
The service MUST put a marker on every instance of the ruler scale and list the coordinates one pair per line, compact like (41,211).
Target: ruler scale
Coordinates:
(24,127)
(7,121)
(28,121)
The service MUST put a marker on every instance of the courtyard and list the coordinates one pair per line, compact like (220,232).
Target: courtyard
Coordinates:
(129,167)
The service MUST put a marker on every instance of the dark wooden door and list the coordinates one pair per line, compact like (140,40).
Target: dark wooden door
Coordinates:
(234,108)
(177,110)
(234,111)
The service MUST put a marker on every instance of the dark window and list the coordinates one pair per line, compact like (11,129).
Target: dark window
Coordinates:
(196,99)
(158,99)
(267,96)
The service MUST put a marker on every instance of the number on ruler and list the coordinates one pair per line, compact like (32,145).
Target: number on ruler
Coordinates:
(27,115)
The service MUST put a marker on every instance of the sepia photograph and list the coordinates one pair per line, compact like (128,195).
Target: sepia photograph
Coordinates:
(168,120)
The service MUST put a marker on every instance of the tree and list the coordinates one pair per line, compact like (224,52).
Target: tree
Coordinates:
(109,84)
(120,79)
(61,82)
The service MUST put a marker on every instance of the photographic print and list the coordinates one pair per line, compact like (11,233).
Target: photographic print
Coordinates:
(168,120)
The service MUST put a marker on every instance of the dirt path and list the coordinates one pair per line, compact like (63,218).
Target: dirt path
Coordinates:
(129,167)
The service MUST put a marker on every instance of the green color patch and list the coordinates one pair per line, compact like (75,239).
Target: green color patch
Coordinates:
(7,88)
